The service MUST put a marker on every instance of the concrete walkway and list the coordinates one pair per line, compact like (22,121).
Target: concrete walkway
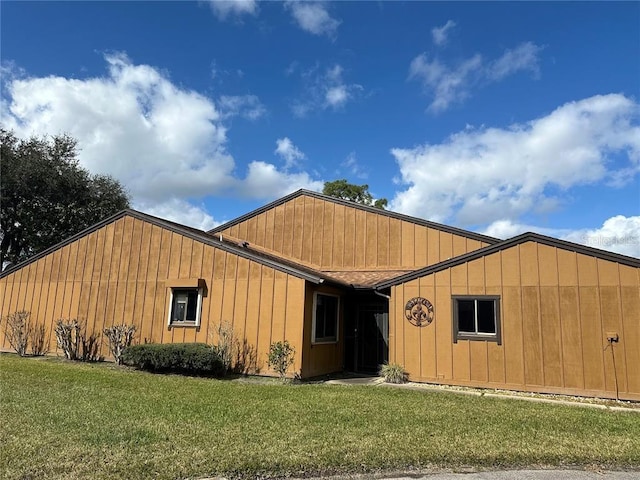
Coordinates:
(527,475)
(497,475)
(559,400)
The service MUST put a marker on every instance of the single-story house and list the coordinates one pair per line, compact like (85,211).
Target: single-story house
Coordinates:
(351,287)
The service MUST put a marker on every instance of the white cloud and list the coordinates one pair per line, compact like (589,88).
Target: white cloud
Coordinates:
(264,181)
(180,211)
(165,144)
(478,176)
(325,90)
(288,151)
(245,106)
(313,17)
(133,124)
(229,8)
(440,34)
(451,84)
(352,164)
(448,85)
(522,58)
(618,234)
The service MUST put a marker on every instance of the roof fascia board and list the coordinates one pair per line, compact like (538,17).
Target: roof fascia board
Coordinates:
(399,216)
(176,228)
(525,237)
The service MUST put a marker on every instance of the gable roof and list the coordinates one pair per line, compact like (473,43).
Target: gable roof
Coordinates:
(347,203)
(193,233)
(511,242)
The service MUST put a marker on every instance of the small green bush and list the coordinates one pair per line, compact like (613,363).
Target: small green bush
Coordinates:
(189,358)
(393,373)
(281,357)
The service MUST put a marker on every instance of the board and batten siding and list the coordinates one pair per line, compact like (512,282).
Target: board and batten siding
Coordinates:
(557,308)
(328,235)
(122,273)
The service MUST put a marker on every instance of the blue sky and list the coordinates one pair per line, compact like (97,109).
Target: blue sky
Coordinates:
(496,117)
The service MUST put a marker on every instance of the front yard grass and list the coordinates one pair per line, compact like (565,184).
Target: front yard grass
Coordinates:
(70,420)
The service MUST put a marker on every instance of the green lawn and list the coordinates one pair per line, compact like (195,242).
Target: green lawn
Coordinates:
(99,421)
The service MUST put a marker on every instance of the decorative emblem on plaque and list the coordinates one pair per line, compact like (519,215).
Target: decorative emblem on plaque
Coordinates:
(419,311)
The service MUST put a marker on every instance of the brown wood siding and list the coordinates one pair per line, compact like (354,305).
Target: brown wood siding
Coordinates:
(557,309)
(327,235)
(122,272)
(322,358)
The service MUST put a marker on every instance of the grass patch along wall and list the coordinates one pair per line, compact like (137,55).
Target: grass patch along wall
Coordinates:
(66,420)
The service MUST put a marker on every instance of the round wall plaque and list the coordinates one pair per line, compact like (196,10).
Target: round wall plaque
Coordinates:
(419,311)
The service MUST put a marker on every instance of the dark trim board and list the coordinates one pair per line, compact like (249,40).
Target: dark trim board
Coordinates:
(525,237)
(192,233)
(347,203)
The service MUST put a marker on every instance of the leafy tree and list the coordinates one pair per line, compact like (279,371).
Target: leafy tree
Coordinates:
(46,196)
(356,193)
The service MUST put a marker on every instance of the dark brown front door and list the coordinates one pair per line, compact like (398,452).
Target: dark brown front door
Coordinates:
(367,334)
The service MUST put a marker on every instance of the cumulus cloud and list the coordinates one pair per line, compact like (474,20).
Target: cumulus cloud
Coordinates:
(451,84)
(164,143)
(313,17)
(180,211)
(440,34)
(245,106)
(618,234)
(266,181)
(288,151)
(133,124)
(324,89)
(479,176)
(224,9)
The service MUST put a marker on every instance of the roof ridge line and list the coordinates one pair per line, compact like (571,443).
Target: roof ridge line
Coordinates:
(388,213)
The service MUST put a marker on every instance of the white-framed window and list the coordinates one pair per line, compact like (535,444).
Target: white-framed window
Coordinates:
(476,318)
(326,311)
(185,306)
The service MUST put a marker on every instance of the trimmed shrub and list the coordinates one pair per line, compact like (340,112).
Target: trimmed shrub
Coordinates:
(17,331)
(72,338)
(188,358)
(393,373)
(38,338)
(120,337)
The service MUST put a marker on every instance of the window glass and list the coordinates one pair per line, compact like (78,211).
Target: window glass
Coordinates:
(326,318)
(466,316)
(476,318)
(486,316)
(192,305)
(184,306)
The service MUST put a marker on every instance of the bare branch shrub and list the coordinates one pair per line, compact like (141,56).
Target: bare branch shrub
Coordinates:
(225,345)
(237,356)
(71,337)
(17,330)
(67,332)
(38,338)
(120,337)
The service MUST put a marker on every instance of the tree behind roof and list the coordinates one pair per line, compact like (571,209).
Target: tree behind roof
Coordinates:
(355,193)
(46,196)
